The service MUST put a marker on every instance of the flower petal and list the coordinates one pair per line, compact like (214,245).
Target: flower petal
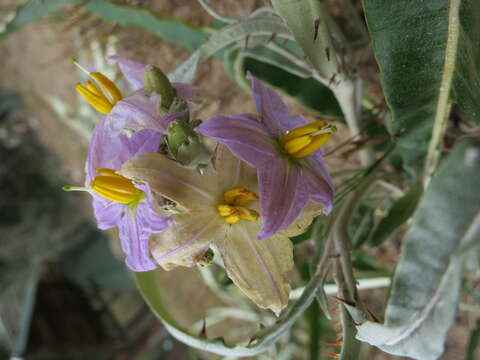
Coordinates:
(131,69)
(283,195)
(273,110)
(258,268)
(100,155)
(319,182)
(138,112)
(233,172)
(188,235)
(173,181)
(107,213)
(247,138)
(134,241)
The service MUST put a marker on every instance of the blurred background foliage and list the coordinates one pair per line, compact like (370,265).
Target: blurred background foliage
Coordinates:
(64,291)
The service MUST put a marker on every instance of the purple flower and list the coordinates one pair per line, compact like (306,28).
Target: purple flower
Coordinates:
(285,151)
(138,110)
(117,201)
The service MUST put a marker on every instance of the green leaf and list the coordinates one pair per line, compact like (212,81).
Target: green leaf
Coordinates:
(169,29)
(399,213)
(416,44)
(31,11)
(310,25)
(239,31)
(426,284)
(151,290)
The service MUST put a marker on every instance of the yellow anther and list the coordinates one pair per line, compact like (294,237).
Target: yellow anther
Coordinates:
(115,187)
(247,214)
(232,212)
(317,142)
(305,140)
(102,98)
(99,102)
(297,144)
(306,129)
(225,210)
(108,86)
(239,196)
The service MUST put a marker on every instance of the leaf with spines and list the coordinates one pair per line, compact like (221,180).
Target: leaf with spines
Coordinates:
(426,284)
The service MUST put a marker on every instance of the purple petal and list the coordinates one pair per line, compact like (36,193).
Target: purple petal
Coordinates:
(141,142)
(134,242)
(246,138)
(273,110)
(131,69)
(185,91)
(283,195)
(108,213)
(319,182)
(104,151)
(134,113)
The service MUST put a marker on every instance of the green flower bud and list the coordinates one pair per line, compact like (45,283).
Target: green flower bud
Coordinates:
(155,81)
(185,145)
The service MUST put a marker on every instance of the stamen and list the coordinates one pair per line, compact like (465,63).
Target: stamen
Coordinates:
(108,86)
(307,139)
(102,99)
(115,187)
(239,196)
(306,129)
(231,212)
(99,102)
(317,142)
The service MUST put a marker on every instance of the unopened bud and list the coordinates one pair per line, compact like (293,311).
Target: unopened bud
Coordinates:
(155,81)
(185,145)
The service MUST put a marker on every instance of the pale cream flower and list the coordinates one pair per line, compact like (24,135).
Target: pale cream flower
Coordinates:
(258,268)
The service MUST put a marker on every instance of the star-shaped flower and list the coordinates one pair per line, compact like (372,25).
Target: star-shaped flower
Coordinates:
(117,201)
(285,151)
(218,210)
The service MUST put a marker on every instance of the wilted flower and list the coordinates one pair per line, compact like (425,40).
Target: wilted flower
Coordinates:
(285,151)
(219,210)
(117,201)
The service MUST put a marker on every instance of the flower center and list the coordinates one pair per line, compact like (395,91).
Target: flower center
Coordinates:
(307,139)
(232,210)
(115,187)
(102,98)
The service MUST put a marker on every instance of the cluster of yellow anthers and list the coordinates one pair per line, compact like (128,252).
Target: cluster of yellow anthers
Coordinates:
(307,139)
(232,210)
(102,96)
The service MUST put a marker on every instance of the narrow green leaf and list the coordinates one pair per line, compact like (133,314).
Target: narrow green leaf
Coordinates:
(268,56)
(322,299)
(399,213)
(151,291)
(426,284)
(240,31)
(31,11)
(170,30)
(421,47)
